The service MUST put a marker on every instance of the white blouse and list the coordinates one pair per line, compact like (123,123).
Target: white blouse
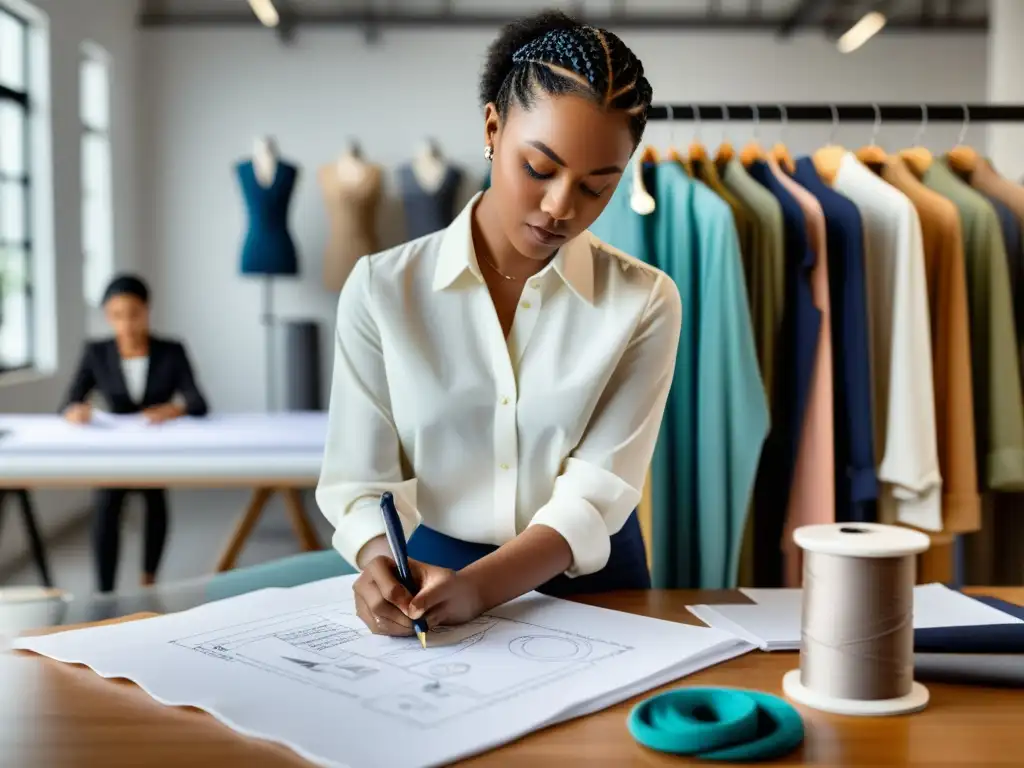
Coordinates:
(906,446)
(478,438)
(135,371)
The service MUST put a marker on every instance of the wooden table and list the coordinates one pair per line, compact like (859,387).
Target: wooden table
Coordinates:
(57,715)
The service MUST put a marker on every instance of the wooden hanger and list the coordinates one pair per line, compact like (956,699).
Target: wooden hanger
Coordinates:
(648,155)
(753,151)
(726,151)
(779,152)
(827,161)
(696,152)
(673,155)
(962,158)
(873,154)
(829,158)
(918,158)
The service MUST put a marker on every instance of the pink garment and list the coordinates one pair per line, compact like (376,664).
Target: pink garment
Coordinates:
(812,498)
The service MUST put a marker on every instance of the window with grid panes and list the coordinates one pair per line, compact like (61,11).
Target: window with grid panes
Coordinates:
(16,310)
(97,194)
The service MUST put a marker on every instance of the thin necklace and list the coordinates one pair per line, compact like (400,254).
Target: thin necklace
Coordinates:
(502,274)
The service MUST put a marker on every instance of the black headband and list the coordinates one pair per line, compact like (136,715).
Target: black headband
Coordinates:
(127,284)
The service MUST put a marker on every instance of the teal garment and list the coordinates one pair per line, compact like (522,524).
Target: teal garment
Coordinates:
(716,418)
(285,572)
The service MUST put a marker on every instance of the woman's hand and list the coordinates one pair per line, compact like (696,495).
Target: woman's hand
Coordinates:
(158,414)
(78,413)
(387,608)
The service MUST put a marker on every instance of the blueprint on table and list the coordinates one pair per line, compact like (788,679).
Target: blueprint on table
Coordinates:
(298,667)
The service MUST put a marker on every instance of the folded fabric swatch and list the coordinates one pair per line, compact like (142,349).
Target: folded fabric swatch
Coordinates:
(997,638)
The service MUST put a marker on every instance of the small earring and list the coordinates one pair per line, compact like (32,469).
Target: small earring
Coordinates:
(488,153)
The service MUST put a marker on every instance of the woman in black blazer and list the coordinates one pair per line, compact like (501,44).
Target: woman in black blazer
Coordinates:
(135,372)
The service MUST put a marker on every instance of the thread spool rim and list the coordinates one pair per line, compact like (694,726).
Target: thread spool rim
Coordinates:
(915,701)
(870,540)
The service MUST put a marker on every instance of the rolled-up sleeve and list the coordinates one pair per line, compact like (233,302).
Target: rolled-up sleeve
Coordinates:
(362,454)
(602,480)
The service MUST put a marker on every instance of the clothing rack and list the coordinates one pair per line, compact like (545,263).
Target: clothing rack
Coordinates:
(842,113)
(937,563)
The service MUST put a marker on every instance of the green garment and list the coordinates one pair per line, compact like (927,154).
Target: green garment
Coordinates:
(764,264)
(998,407)
(704,169)
(716,418)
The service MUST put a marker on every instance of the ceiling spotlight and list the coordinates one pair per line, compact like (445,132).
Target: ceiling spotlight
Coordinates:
(869,26)
(265,12)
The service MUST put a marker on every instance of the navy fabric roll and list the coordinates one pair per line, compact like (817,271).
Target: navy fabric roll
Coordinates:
(993,638)
(626,568)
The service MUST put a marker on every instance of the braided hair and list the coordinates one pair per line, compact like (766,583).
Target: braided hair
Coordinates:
(551,52)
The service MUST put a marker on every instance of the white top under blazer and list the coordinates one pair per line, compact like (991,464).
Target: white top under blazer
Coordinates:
(478,438)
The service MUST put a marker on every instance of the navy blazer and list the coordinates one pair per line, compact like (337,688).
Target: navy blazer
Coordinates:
(856,477)
(170,374)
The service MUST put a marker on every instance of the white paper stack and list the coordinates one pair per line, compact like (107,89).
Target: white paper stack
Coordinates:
(772,622)
(296,666)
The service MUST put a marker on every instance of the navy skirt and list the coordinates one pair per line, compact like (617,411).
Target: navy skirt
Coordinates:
(626,567)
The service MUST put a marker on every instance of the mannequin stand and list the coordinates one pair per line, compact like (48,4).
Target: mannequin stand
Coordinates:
(268,330)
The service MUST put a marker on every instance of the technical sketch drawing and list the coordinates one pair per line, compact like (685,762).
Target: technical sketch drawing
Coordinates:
(463,669)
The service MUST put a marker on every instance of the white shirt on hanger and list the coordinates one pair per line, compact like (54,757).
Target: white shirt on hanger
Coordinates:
(476,438)
(903,399)
(135,371)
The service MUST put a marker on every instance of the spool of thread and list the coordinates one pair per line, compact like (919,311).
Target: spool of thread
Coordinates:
(857,626)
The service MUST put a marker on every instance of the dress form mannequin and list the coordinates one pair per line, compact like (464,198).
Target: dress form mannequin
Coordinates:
(429,166)
(429,185)
(351,188)
(267,182)
(264,160)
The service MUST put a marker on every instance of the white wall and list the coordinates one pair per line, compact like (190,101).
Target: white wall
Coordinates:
(109,23)
(207,93)
(1006,57)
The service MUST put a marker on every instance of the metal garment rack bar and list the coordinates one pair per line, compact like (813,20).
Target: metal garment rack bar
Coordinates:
(844,113)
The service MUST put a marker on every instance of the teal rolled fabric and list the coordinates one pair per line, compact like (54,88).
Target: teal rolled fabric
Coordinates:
(723,724)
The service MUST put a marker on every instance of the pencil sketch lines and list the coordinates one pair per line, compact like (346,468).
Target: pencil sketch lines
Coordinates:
(550,648)
(464,668)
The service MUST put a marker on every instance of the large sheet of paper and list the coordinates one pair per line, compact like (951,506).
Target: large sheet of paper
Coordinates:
(773,622)
(108,434)
(296,666)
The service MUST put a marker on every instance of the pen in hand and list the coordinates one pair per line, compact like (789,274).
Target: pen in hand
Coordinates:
(396,540)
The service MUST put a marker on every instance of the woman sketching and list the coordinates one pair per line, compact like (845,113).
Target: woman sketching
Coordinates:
(134,372)
(505,378)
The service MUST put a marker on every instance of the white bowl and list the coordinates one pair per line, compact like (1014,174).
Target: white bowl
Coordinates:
(25,608)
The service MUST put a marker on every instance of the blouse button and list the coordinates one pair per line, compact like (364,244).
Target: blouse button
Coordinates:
(504,466)
(526,305)
(535,285)
(504,401)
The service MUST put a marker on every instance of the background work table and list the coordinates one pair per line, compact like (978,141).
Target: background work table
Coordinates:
(274,453)
(57,715)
